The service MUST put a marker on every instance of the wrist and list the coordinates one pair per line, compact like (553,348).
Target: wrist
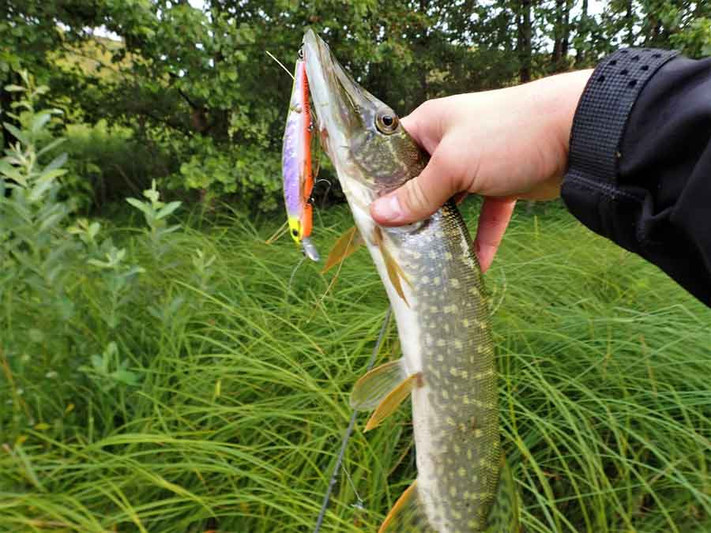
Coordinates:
(556,100)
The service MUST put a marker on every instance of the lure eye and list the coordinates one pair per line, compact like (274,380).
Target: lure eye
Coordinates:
(386,122)
(294,232)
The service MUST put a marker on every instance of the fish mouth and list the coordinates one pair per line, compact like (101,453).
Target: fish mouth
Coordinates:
(338,99)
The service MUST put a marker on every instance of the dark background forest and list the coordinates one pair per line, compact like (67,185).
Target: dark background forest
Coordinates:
(184,92)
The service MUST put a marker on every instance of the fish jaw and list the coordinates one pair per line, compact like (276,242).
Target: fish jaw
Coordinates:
(350,124)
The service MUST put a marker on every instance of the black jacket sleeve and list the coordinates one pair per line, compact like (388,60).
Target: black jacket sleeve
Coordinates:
(640,161)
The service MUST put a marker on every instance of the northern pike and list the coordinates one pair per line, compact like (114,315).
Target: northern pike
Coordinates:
(434,285)
(296,164)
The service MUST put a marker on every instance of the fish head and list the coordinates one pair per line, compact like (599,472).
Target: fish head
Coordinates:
(363,137)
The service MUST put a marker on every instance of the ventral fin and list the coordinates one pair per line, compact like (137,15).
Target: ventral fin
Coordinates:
(505,514)
(373,387)
(395,272)
(392,401)
(407,515)
(345,246)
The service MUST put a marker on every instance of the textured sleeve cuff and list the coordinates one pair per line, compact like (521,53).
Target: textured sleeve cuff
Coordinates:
(598,128)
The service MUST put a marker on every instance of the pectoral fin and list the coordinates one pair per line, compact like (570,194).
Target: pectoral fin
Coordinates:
(395,272)
(346,245)
(391,402)
(373,388)
(383,388)
(407,515)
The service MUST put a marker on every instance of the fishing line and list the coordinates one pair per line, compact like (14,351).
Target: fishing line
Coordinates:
(360,503)
(349,430)
(293,273)
(279,63)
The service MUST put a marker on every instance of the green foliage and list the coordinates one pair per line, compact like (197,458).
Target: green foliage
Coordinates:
(205,105)
(33,250)
(695,41)
(50,325)
(156,213)
(109,370)
(237,392)
(109,163)
(245,173)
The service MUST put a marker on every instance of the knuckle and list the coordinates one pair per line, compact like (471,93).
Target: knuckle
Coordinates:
(416,198)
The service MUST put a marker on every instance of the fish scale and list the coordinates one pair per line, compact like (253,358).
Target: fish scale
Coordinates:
(458,396)
(435,288)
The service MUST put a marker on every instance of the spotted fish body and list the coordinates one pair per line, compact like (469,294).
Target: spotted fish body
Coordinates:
(434,285)
(296,163)
(444,328)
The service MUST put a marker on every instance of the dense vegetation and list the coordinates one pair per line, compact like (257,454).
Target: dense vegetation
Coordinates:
(169,366)
(162,378)
(190,83)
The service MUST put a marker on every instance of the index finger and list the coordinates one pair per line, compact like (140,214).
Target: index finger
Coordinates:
(494,218)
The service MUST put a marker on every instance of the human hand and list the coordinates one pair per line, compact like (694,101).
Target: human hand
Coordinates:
(504,144)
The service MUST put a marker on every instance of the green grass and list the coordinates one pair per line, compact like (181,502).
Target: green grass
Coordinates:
(244,377)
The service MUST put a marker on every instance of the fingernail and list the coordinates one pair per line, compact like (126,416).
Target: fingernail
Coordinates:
(387,208)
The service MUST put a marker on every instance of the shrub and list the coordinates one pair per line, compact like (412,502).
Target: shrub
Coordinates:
(66,289)
(108,163)
(243,173)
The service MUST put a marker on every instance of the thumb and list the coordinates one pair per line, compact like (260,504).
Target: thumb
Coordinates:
(418,198)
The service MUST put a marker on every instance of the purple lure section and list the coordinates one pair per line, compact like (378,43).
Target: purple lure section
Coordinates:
(290,166)
(293,152)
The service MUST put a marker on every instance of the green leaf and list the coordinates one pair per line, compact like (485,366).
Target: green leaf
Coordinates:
(51,174)
(51,221)
(16,133)
(57,162)
(51,146)
(39,121)
(97,362)
(14,88)
(126,377)
(7,170)
(170,229)
(167,209)
(145,208)
(99,264)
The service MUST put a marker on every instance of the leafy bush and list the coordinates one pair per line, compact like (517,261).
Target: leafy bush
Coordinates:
(109,163)
(245,173)
(65,287)
(695,40)
(34,248)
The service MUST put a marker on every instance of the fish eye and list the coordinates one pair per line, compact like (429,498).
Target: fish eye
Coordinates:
(301,53)
(386,121)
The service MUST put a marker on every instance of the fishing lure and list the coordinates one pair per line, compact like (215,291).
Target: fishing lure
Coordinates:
(297,170)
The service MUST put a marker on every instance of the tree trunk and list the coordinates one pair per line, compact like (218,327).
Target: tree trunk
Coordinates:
(523,41)
(565,40)
(583,33)
(629,23)
(561,35)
